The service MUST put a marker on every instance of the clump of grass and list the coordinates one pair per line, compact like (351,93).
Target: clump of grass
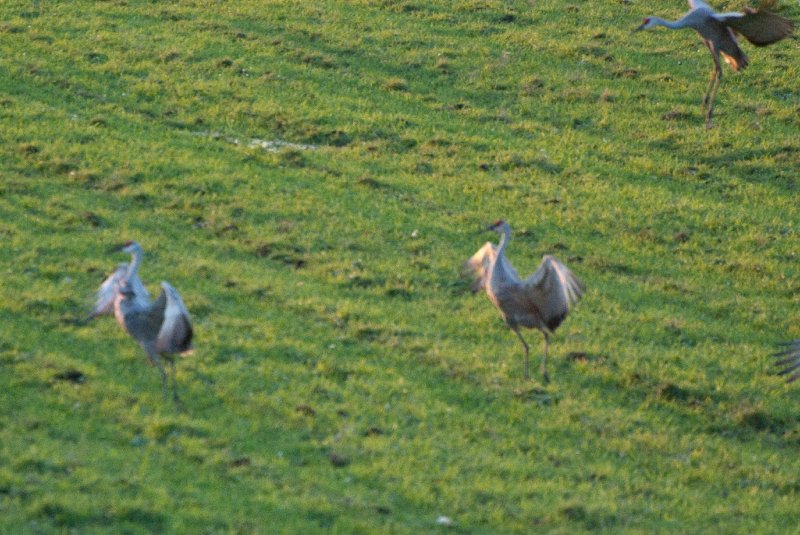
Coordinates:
(29,148)
(671,392)
(318,60)
(676,115)
(754,417)
(396,84)
(531,85)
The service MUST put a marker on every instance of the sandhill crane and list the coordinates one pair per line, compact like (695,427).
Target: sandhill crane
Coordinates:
(541,301)
(758,26)
(162,327)
(790,360)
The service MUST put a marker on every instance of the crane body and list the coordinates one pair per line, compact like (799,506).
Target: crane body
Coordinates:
(162,327)
(540,301)
(718,30)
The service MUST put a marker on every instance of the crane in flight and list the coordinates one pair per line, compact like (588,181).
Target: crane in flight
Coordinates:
(162,327)
(758,26)
(540,301)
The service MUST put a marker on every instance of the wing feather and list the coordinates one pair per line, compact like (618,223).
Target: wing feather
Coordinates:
(758,26)
(175,335)
(554,289)
(107,293)
(477,267)
(790,360)
(697,4)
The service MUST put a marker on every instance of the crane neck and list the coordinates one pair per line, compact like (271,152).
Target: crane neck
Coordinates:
(675,25)
(136,259)
(505,237)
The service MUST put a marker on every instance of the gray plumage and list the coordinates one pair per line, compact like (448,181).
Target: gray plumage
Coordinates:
(541,301)
(758,26)
(789,360)
(107,293)
(162,327)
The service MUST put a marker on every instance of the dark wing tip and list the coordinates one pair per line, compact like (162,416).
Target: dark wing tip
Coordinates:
(761,27)
(555,321)
(789,362)
(186,343)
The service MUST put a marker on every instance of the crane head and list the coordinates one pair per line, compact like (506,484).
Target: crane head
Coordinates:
(646,23)
(497,225)
(127,247)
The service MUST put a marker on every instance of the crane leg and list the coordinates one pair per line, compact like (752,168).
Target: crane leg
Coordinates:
(708,89)
(175,398)
(157,362)
(713,85)
(525,350)
(545,377)
(713,97)
(174,382)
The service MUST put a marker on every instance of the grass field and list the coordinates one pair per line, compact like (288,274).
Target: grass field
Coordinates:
(310,176)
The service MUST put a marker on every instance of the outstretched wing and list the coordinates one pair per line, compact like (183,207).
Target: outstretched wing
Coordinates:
(790,360)
(104,298)
(477,267)
(175,335)
(554,289)
(757,26)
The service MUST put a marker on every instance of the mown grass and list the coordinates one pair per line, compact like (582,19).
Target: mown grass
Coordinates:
(345,380)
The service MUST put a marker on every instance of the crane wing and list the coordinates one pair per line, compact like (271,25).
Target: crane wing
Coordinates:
(478,264)
(104,298)
(790,360)
(697,4)
(175,335)
(757,26)
(554,289)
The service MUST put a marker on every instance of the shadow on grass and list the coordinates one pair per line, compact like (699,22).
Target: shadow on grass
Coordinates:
(710,411)
(749,165)
(591,518)
(64,516)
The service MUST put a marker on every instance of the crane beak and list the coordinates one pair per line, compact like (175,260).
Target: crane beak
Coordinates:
(116,248)
(640,28)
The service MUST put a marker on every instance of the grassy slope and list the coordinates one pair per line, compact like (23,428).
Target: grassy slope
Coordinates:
(329,332)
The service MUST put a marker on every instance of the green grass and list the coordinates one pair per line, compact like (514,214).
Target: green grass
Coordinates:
(345,380)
